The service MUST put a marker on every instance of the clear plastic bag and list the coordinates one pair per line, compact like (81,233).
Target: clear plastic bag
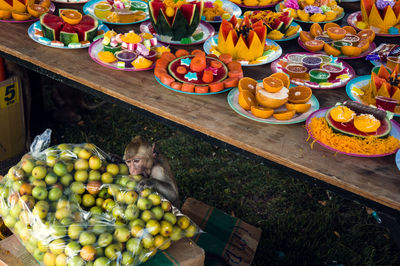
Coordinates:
(69,206)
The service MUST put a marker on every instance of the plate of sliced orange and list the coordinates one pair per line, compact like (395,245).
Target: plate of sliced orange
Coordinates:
(272,100)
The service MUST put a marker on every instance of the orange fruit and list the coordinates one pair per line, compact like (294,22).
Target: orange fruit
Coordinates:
(283,77)
(246,99)
(366,35)
(285,115)
(351,51)
(5,14)
(261,112)
(88,253)
(272,85)
(298,107)
(336,33)
(364,45)
(314,45)
(45,3)
(315,30)
(350,30)
(330,25)
(330,50)
(247,84)
(269,100)
(71,16)
(37,10)
(305,36)
(299,94)
(20,15)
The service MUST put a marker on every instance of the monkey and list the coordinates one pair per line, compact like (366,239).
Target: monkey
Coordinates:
(143,158)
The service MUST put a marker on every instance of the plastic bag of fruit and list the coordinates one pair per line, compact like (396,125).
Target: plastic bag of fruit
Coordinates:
(69,206)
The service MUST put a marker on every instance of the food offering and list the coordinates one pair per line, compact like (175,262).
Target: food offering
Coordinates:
(196,73)
(216,10)
(314,71)
(118,12)
(343,42)
(387,54)
(256,4)
(310,11)
(128,52)
(280,25)
(24,10)
(273,100)
(381,89)
(69,205)
(245,41)
(355,129)
(68,30)
(381,16)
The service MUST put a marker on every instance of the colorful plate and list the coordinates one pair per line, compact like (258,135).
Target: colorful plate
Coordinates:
(278,9)
(348,70)
(321,113)
(233,103)
(88,8)
(398,159)
(70,1)
(228,6)
(192,93)
(207,29)
(271,57)
(352,21)
(36,25)
(259,7)
(52,8)
(353,87)
(97,46)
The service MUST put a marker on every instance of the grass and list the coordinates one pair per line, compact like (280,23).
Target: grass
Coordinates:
(302,223)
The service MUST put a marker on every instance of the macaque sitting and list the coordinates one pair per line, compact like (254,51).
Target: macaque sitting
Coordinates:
(143,159)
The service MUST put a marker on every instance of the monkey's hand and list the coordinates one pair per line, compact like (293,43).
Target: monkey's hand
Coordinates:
(145,183)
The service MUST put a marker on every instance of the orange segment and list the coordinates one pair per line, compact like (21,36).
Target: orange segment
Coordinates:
(314,45)
(45,3)
(299,107)
(272,84)
(330,50)
(283,77)
(20,15)
(299,94)
(285,115)
(364,45)
(351,51)
(330,25)
(315,30)
(246,99)
(305,36)
(336,33)
(350,30)
(367,35)
(71,16)
(37,10)
(261,112)
(247,84)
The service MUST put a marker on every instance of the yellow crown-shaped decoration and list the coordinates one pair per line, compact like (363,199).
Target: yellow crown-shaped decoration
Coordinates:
(376,16)
(15,5)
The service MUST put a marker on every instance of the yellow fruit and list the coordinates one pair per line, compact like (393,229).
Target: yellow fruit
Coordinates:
(285,115)
(303,15)
(275,35)
(299,108)
(246,99)
(5,14)
(318,17)
(261,112)
(292,30)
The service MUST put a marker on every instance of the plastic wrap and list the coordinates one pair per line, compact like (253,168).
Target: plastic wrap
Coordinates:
(69,206)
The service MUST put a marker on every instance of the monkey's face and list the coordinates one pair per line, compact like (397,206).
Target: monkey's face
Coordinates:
(136,166)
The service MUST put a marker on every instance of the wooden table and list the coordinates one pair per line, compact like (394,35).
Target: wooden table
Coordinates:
(376,179)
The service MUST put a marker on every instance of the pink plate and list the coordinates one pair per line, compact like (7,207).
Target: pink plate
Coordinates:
(258,7)
(395,132)
(51,10)
(275,67)
(371,47)
(352,20)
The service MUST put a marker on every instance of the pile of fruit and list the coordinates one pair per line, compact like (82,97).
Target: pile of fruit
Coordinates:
(23,9)
(337,41)
(279,24)
(214,11)
(383,15)
(255,2)
(312,10)
(263,99)
(68,205)
(120,11)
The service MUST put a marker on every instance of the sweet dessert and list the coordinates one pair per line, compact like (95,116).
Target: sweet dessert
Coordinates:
(388,53)
(273,97)
(382,16)
(214,11)
(352,127)
(176,20)
(255,2)
(69,29)
(23,9)
(336,41)
(385,85)
(279,24)
(312,10)
(197,73)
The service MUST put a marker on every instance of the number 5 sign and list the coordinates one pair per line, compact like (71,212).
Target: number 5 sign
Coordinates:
(9,95)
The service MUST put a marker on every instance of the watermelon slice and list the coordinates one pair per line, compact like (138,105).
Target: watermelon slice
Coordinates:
(51,26)
(68,34)
(86,28)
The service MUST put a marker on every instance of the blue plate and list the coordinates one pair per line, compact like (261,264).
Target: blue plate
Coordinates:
(88,8)
(36,25)
(192,93)
(228,6)
(398,159)
(355,84)
(278,9)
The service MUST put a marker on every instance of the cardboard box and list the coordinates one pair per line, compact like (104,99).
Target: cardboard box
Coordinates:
(226,239)
(12,133)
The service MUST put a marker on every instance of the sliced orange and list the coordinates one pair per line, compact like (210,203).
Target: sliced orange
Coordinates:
(272,85)
(330,50)
(285,115)
(364,45)
(5,14)
(283,77)
(350,30)
(315,30)
(299,94)
(246,100)
(247,84)
(305,36)
(330,25)
(314,45)
(351,51)
(298,107)
(367,35)
(20,15)
(336,33)
(45,3)
(71,16)
(37,10)
(261,112)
